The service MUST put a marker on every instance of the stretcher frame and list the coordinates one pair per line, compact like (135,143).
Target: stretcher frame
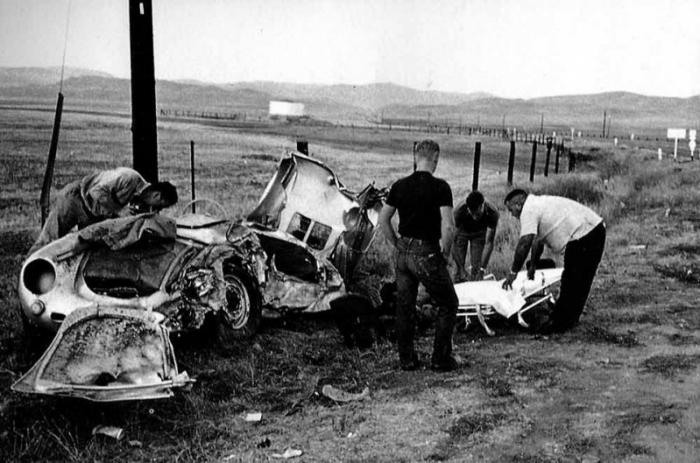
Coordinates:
(482,312)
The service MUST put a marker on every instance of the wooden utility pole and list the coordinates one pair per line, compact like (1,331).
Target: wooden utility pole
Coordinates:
(143,90)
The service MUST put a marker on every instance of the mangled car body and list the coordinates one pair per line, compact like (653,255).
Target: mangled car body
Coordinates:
(198,272)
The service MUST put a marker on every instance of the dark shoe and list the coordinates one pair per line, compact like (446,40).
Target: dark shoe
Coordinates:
(551,327)
(547,328)
(452,363)
(412,365)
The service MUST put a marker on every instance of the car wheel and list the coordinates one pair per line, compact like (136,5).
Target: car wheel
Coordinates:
(241,316)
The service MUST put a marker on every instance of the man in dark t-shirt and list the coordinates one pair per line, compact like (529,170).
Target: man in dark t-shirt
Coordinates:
(424,239)
(476,221)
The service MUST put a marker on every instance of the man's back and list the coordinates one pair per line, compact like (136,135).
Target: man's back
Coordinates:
(556,219)
(418,199)
(106,192)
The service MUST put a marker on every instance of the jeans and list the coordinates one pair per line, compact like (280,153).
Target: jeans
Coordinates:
(422,262)
(581,260)
(67,212)
(475,242)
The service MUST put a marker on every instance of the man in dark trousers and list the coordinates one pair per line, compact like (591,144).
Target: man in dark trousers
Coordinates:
(476,221)
(426,230)
(103,195)
(565,226)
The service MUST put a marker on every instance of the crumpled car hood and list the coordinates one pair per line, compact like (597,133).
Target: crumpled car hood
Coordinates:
(107,354)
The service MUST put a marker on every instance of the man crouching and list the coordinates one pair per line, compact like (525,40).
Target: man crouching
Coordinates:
(565,226)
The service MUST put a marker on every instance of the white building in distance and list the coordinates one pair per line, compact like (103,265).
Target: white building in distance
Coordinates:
(288,109)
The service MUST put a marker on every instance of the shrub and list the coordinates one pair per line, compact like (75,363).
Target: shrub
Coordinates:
(584,188)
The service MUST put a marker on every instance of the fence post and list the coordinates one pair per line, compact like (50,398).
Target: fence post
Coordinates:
(511,163)
(556,159)
(546,159)
(532,162)
(303,146)
(477,161)
(572,161)
(192,173)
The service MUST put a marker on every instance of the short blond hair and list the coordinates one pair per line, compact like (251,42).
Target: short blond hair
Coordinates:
(427,148)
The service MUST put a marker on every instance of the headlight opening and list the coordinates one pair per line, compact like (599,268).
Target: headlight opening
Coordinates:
(39,276)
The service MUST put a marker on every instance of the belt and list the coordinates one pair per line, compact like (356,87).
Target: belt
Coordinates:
(601,224)
(417,244)
(407,239)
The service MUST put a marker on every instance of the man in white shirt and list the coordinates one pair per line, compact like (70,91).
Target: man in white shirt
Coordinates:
(567,227)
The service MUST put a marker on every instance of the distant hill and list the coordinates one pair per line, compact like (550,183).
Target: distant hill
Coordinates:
(625,111)
(22,76)
(354,103)
(370,97)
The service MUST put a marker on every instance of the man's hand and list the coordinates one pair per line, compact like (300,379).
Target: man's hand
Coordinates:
(477,275)
(531,271)
(508,283)
(445,253)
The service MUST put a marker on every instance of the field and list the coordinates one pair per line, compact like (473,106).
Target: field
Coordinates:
(621,386)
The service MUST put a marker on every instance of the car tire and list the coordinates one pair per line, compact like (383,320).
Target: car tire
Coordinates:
(241,318)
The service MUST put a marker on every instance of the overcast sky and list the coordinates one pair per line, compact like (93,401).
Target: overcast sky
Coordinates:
(511,48)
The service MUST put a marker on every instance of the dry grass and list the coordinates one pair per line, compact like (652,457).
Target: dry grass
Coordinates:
(520,399)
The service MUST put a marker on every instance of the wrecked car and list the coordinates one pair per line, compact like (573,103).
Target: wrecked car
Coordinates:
(202,271)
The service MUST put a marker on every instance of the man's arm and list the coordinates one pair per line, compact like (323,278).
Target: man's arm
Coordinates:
(447,230)
(384,221)
(521,250)
(537,248)
(488,247)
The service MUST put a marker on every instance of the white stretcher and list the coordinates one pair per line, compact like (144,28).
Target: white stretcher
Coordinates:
(485,299)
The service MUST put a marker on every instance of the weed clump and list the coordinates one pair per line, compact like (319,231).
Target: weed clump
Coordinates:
(467,425)
(688,273)
(583,188)
(601,335)
(671,365)
(628,423)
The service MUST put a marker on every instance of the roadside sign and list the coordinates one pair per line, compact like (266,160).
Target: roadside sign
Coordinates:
(691,145)
(678,134)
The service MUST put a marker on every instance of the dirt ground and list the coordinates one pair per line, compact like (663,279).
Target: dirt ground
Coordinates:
(620,387)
